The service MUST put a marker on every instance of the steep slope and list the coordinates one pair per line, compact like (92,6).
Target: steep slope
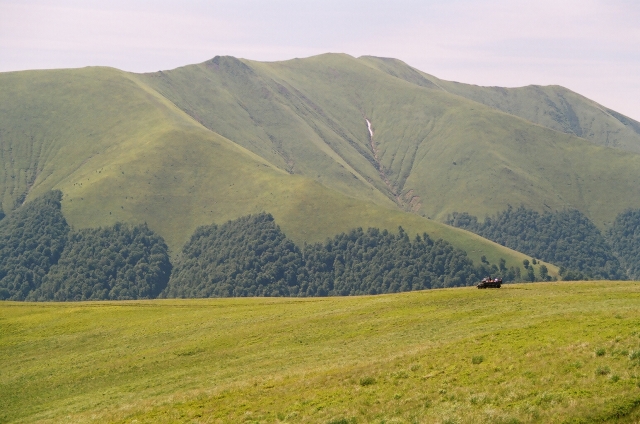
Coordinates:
(274,119)
(117,150)
(121,152)
(326,144)
(553,106)
(427,150)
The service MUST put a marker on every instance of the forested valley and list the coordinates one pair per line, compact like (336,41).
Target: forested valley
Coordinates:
(43,259)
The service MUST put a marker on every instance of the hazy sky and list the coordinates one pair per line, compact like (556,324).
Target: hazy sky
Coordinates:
(590,46)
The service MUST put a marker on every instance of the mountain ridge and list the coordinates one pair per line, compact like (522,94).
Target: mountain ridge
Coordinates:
(326,144)
(562,118)
(121,152)
(326,101)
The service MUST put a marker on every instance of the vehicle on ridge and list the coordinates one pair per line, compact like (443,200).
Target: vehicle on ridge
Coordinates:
(490,283)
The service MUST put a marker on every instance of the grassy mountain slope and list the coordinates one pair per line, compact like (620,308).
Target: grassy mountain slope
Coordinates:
(117,150)
(271,118)
(121,152)
(553,107)
(560,109)
(562,352)
(432,152)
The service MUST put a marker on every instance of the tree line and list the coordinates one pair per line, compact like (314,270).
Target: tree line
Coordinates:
(42,258)
(251,256)
(565,238)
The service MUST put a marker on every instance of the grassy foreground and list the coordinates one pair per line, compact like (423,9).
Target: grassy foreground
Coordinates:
(548,352)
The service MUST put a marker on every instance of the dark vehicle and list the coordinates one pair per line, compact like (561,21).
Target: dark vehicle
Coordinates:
(490,283)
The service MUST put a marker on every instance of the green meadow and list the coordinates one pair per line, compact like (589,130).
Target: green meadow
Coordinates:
(545,352)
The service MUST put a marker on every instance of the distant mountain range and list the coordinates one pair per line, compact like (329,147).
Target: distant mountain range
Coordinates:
(325,144)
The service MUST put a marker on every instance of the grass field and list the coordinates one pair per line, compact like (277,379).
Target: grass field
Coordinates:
(547,352)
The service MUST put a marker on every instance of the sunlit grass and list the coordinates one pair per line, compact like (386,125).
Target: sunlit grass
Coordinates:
(410,357)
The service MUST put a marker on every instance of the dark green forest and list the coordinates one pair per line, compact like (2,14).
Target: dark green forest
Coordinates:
(31,241)
(251,256)
(114,263)
(41,258)
(624,236)
(373,262)
(567,239)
